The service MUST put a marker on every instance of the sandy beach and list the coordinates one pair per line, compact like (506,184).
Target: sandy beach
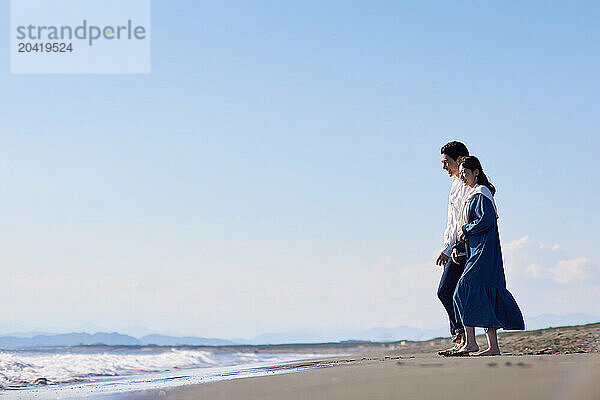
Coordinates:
(557,363)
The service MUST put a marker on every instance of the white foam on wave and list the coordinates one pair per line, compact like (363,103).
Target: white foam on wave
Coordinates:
(23,369)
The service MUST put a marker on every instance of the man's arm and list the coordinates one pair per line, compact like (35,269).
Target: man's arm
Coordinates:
(449,238)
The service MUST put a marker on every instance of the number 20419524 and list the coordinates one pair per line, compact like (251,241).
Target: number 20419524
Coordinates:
(45,47)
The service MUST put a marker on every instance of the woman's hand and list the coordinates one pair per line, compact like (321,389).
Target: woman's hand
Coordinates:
(461,236)
(454,256)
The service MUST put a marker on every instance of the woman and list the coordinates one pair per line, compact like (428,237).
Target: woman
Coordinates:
(481,298)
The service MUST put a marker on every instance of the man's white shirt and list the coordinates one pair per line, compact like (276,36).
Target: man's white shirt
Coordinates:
(458,195)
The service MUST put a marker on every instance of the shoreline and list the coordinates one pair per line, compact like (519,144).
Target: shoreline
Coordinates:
(555,363)
(120,386)
(560,377)
(557,351)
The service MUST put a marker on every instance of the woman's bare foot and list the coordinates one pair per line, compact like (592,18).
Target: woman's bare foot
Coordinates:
(489,352)
(463,351)
(469,348)
(470,345)
(492,339)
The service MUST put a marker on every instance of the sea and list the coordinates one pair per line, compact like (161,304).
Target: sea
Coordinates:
(80,372)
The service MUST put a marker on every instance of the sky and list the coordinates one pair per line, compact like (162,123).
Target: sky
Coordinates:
(279,168)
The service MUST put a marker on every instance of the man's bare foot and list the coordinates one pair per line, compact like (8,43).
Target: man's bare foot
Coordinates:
(452,349)
(489,352)
(458,338)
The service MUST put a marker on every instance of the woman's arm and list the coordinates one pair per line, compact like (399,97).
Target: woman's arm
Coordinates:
(459,247)
(485,217)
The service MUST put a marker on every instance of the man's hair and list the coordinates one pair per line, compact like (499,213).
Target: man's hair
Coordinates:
(455,149)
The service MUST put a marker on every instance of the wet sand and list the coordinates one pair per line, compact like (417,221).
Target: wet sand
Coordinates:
(560,363)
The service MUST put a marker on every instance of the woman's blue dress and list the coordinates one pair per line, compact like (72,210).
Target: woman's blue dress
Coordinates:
(481,298)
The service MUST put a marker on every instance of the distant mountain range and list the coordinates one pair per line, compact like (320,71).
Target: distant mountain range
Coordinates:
(40,339)
(110,339)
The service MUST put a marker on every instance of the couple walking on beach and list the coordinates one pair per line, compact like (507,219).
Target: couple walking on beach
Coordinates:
(473,287)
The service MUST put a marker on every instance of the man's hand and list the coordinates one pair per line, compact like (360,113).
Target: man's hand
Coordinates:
(442,259)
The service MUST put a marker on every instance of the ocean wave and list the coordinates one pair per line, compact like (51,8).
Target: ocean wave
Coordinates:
(18,369)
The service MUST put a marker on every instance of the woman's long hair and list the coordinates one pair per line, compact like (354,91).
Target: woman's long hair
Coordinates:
(472,163)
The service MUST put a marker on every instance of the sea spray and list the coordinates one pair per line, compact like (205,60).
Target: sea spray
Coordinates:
(25,368)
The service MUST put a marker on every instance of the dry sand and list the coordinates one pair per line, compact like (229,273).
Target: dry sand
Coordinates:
(550,364)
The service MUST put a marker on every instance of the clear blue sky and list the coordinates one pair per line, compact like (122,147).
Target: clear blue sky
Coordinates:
(280,152)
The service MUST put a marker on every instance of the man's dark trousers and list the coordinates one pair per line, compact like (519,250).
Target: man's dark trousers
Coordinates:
(450,277)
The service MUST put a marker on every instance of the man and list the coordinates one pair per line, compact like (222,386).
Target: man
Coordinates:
(452,154)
